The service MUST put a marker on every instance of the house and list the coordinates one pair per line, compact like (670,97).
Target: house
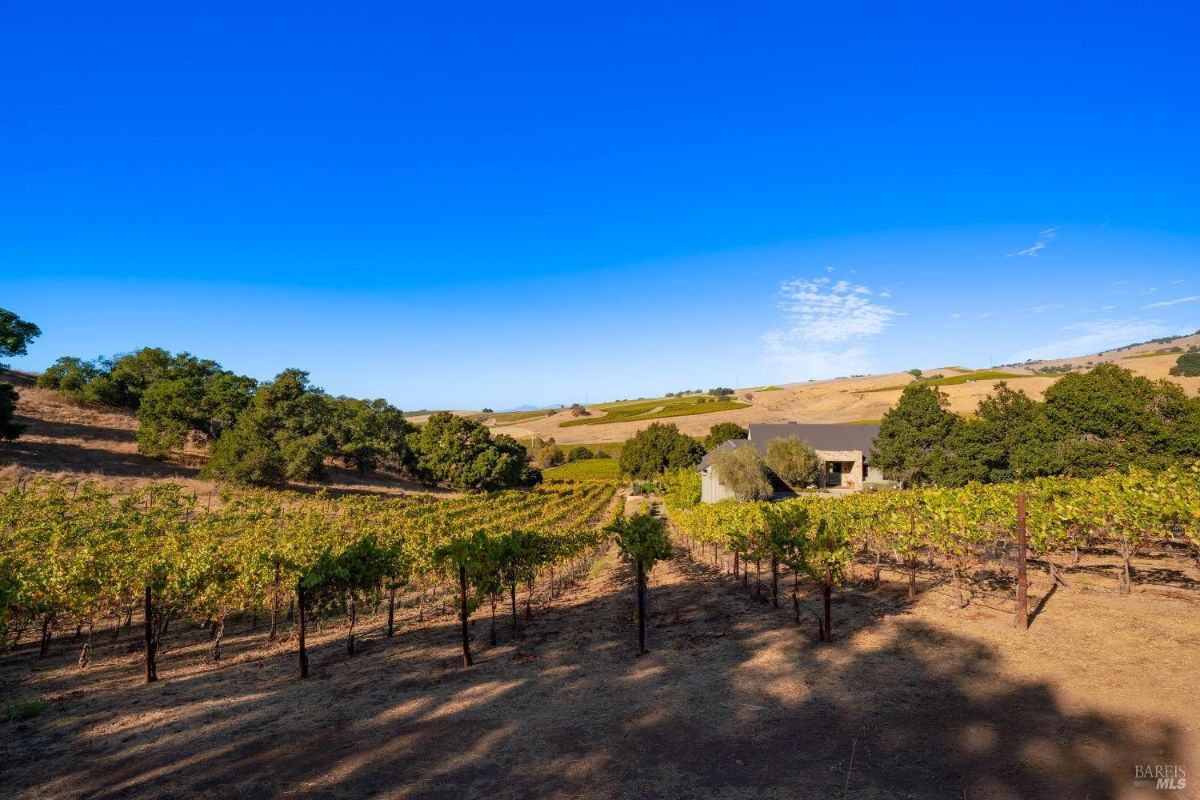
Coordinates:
(843,451)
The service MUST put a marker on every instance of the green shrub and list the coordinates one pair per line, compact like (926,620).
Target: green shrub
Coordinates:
(1187,366)
(20,710)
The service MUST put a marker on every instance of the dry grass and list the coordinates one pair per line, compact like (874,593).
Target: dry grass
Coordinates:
(853,399)
(913,700)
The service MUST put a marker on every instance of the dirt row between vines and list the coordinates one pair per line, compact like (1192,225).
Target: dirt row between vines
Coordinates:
(734,700)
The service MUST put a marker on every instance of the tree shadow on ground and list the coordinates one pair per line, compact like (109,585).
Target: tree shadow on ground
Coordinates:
(732,702)
(74,430)
(99,463)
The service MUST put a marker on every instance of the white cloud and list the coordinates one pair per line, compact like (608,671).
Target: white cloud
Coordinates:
(1045,236)
(1081,338)
(1164,303)
(823,311)
(956,315)
(825,327)
(1029,251)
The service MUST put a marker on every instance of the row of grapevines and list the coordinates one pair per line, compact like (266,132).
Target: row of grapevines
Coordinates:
(820,534)
(79,553)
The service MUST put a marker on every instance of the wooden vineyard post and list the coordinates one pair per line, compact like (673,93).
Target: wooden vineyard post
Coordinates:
(1022,618)
(641,606)
(466,635)
(774,580)
(302,611)
(151,645)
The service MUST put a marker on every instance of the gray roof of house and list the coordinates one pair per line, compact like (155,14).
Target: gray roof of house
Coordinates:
(819,437)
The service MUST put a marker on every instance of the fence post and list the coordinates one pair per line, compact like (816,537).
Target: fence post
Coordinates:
(1022,613)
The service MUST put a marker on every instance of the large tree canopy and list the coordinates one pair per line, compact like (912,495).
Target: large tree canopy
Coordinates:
(15,336)
(1006,439)
(658,448)
(284,434)
(205,403)
(911,444)
(1109,417)
(461,452)
(368,434)
(1089,422)
(723,432)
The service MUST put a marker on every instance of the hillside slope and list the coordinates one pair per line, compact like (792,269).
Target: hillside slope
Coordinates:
(67,440)
(857,399)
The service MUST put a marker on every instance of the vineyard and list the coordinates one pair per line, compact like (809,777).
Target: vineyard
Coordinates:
(924,692)
(966,530)
(75,555)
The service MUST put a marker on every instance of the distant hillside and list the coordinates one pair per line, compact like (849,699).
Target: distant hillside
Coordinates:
(857,399)
(67,439)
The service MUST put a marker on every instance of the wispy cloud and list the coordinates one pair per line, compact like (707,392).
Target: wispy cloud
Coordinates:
(1045,236)
(1082,338)
(1030,251)
(1042,309)
(826,326)
(1164,303)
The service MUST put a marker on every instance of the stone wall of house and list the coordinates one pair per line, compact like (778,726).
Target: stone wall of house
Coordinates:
(713,491)
(850,480)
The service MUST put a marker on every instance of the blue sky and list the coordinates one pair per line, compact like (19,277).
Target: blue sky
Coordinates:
(482,205)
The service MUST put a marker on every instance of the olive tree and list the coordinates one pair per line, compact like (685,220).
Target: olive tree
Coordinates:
(794,461)
(743,472)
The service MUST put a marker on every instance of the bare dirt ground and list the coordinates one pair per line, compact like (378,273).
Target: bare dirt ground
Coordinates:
(67,440)
(912,700)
